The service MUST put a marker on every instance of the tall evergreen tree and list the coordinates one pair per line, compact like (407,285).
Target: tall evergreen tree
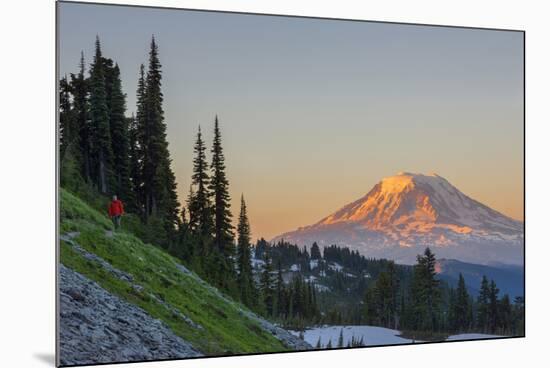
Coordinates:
(483,305)
(139,139)
(518,316)
(245,278)
(505,316)
(102,154)
(315,251)
(69,153)
(460,308)
(219,190)
(280,293)
(200,209)
(394,295)
(266,285)
(120,139)
(81,108)
(159,182)
(65,116)
(493,307)
(134,165)
(425,292)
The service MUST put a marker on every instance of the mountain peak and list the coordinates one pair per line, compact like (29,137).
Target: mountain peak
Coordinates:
(395,200)
(403,180)
(408,210)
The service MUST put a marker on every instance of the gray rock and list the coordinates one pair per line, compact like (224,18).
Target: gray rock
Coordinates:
(92,333)
(70,239)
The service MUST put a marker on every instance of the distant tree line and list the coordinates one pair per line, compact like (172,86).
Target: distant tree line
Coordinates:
(395,296)
(429,306)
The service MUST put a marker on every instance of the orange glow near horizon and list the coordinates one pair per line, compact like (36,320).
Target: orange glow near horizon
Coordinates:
(272,212)
(314,113)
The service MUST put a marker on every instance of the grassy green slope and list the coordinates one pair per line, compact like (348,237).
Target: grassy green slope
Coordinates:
(225,329)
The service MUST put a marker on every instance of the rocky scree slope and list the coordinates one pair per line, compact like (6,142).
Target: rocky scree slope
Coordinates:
(109,282)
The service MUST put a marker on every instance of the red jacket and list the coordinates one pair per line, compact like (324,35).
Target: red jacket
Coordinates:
(116,208)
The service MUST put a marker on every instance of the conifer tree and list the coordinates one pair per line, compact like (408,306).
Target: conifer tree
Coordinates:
(245,279)
(518,316)
(266,285)
(483,305)
(223,249)
(134,165)
(108,74)
(159,182)
(370,310)
(505,316)
(219,190)
(460,308)
(196,245)
(452,309)
(120,139)
(425,292)
(183,246)
(200,209)
(190,203)
(280,294)
(394,297)
(138,144)
(102,154)
(69,153)
(65,118)
(382,300)
(315,251)
(81,108)
(493,307)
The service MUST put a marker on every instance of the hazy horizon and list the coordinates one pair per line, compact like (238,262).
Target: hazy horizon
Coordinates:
(314,112)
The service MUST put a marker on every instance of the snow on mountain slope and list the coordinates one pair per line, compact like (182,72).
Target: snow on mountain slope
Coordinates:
(404,213)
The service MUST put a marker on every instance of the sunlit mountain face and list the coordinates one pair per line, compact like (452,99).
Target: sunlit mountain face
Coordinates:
(403,214)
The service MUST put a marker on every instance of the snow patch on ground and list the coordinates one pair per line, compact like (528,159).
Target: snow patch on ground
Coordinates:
(371,335)
(321,288)
(471,336)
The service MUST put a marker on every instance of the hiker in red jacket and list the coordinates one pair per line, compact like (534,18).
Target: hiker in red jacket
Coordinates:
(116,210)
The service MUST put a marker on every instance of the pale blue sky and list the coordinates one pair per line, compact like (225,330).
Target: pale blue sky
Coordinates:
(315,112)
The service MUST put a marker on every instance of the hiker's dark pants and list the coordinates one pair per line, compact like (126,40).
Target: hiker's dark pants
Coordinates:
(116,221)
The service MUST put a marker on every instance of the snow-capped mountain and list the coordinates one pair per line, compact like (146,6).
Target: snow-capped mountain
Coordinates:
(403,214)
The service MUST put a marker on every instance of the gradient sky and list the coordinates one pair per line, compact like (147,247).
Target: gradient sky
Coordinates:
(315,112)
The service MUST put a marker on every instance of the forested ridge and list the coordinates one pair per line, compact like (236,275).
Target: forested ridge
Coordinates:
(104,152)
